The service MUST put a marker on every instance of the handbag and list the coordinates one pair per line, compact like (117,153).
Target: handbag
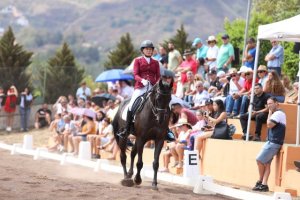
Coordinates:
(221,131)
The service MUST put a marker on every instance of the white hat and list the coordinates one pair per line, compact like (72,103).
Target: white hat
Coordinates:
(220,73)
(182,121)
(243,69)
(211,38)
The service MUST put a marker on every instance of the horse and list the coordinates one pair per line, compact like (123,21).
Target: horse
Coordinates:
(151,123)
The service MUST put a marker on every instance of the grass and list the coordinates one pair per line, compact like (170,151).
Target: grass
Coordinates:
(40,137)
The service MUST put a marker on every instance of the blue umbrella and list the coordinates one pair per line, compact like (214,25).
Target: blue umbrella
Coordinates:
(113,75)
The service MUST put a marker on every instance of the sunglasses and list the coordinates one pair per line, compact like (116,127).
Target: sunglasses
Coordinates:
(247,74)
(233,75)
(261,71)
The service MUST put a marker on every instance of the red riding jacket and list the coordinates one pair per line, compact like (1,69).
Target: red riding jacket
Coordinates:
(143,70)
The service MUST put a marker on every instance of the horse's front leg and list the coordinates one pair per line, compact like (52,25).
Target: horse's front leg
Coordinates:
(158,146)
(139,165)
(132,154)
(126,181)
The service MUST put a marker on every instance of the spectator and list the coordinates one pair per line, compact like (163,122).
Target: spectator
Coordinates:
(185,113)
(57,127)
(10,106)
(200,54)
(249,54)
(182,141)
(200,96)
(212,53)
(164,57)
(259,112)
(217,91)
(219,117)
(262,73)
(286,82)
(292,97)
(42,117)
(25,105)
(61,105)
(225,55)
(70,129)
(83,91)
(125,89)
(179,86)
(274,86)
(246,91)
(275,57)
(214,82)
(233,100)
(174,57)
(276,124)
(88,128)
(189,88)
(189,64)
(2,96)
(156,55)
(197,129)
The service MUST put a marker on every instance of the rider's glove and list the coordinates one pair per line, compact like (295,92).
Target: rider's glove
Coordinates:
(144,82)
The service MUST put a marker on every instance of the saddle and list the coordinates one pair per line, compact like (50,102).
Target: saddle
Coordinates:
(139,103)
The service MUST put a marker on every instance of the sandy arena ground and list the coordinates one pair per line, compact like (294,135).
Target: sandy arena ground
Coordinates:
(23,178)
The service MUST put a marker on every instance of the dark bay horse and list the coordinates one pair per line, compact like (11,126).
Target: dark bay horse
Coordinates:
(151,123)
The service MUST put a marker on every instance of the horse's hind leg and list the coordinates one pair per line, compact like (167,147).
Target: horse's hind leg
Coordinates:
(126,181)
(139,164)
(132,154)
(158,146)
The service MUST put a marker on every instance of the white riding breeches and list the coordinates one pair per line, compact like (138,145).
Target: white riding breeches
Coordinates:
(136,93)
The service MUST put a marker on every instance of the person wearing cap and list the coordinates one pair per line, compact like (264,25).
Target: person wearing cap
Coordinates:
(262,73)
(215,85)
(233,101)
(275,57)
(189,64)
(174,57)
(246,91)
(212,53)
(243,69)
(225,55)
(83,91)
(10,106)
(201,48)
(249,54)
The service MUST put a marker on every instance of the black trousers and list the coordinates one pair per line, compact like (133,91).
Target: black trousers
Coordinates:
(259,119)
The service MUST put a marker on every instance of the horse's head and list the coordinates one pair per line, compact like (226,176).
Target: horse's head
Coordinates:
(161,99)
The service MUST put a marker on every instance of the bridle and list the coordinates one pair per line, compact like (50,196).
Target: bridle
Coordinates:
(156,110)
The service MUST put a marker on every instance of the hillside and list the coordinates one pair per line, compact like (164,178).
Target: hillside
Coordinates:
(41,25)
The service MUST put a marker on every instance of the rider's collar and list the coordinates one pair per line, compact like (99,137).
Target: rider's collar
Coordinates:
(147,59)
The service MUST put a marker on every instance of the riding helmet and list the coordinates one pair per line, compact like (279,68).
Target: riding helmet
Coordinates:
(147,44)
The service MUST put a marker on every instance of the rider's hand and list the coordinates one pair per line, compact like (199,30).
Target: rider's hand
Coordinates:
(144,82)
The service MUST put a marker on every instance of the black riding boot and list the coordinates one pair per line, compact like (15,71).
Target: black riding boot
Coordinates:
(128,124)
(170,137)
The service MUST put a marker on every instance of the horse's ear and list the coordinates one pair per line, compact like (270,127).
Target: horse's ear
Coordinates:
(171,84)
(160,83)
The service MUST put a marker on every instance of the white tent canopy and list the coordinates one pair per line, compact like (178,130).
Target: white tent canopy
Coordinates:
(285,30)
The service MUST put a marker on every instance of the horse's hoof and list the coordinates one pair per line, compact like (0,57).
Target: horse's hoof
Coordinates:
(154,187)
(137,180)
(127,182)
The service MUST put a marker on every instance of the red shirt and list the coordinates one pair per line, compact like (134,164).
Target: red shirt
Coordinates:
(192,64)
(248,84)
(143,70)
(191,117)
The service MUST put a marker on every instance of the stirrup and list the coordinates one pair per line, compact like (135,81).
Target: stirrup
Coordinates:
(122,134)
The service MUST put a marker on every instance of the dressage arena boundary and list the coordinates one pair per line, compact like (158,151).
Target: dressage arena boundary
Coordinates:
(201,184)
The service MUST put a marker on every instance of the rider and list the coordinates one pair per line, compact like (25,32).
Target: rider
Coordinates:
(146,74)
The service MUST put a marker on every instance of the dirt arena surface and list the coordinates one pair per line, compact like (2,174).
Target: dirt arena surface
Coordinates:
(23,178)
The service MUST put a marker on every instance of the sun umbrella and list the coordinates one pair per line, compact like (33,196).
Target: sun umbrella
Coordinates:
(77,111)
(113,75)
(98,100)
(83,111)
(89,113)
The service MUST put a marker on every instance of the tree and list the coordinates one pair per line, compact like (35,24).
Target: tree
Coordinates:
(61,76)
(14,61)
(180,40)
(123,55)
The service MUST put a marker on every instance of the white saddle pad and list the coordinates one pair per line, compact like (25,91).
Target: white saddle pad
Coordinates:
(124,112)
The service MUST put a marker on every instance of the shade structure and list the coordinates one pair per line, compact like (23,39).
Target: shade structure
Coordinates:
(113,75)
(285,30)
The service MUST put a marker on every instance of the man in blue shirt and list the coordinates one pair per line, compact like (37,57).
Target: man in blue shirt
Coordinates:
(275,57)
(201,48)
(249,54)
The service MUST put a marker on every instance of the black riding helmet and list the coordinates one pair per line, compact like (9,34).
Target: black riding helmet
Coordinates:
(146,44)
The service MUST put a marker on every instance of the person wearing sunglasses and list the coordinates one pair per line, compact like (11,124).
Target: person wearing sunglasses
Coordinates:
(233,100)
(262,73)
(275,57)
